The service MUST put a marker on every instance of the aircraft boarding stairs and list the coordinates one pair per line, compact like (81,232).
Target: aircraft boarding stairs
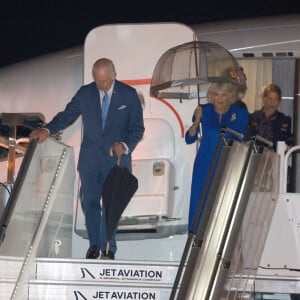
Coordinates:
(36,229)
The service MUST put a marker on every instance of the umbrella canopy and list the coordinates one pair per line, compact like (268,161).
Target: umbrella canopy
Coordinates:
(118,188)
(183,71)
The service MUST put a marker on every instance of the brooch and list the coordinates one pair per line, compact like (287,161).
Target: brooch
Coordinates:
(233,117)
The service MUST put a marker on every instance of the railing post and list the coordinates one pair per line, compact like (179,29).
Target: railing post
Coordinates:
(285,167)
(281,148)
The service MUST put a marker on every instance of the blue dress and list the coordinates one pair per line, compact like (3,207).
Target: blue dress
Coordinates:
(235,118)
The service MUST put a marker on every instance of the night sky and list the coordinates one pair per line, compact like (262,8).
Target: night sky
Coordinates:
(32,28)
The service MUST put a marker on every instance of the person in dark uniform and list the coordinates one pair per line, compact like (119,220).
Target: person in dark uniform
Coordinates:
(268,122)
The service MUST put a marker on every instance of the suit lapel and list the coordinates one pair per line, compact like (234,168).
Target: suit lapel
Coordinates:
(96,104)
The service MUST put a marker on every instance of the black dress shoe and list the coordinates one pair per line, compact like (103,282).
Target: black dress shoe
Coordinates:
(93,252)
(109,255)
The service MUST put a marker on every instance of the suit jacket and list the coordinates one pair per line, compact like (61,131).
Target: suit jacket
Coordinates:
(124,123)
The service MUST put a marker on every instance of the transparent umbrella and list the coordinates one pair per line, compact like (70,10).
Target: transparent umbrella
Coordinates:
(184,71)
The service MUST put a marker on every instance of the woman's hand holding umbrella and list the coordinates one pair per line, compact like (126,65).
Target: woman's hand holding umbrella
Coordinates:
(197,121)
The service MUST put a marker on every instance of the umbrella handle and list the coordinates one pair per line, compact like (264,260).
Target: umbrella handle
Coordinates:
(112,154)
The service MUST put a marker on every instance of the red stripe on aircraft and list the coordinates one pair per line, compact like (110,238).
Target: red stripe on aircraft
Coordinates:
(137,81)
(174,111)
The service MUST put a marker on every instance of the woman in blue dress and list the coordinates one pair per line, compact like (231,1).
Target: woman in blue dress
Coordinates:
(219,112)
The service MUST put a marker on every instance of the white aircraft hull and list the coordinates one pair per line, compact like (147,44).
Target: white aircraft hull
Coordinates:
(47,83)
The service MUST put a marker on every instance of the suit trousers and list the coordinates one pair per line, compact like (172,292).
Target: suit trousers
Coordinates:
(94,212)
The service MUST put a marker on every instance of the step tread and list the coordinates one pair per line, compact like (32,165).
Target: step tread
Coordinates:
(96,284)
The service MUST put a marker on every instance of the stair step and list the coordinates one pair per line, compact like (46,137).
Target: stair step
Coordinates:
(79,290)
(10,267)
(82,279)
(6,288)
(99,270)
(96,270)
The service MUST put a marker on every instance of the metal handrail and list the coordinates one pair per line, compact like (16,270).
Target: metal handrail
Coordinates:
(285,167)
(9,208)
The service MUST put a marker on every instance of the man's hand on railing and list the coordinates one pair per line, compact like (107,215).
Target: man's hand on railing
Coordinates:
(40,133)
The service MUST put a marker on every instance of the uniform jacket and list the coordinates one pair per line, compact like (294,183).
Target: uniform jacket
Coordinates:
(276,127)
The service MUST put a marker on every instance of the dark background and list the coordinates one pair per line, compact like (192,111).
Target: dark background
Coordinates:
(32,28)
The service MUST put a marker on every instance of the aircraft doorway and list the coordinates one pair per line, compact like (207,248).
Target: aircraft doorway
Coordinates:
(282,71)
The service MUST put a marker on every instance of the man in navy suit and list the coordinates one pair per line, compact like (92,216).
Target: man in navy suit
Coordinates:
(123,129)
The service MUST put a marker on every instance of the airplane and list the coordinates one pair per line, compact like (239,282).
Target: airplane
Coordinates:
(268,49)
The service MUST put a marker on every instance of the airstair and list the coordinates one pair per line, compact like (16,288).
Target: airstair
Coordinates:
(62,279)
(36,230)
(36,235)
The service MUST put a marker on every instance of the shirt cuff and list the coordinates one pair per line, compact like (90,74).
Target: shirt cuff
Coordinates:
(126,147)
(47,130)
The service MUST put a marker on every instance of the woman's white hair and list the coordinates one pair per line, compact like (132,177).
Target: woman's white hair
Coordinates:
(227,87)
